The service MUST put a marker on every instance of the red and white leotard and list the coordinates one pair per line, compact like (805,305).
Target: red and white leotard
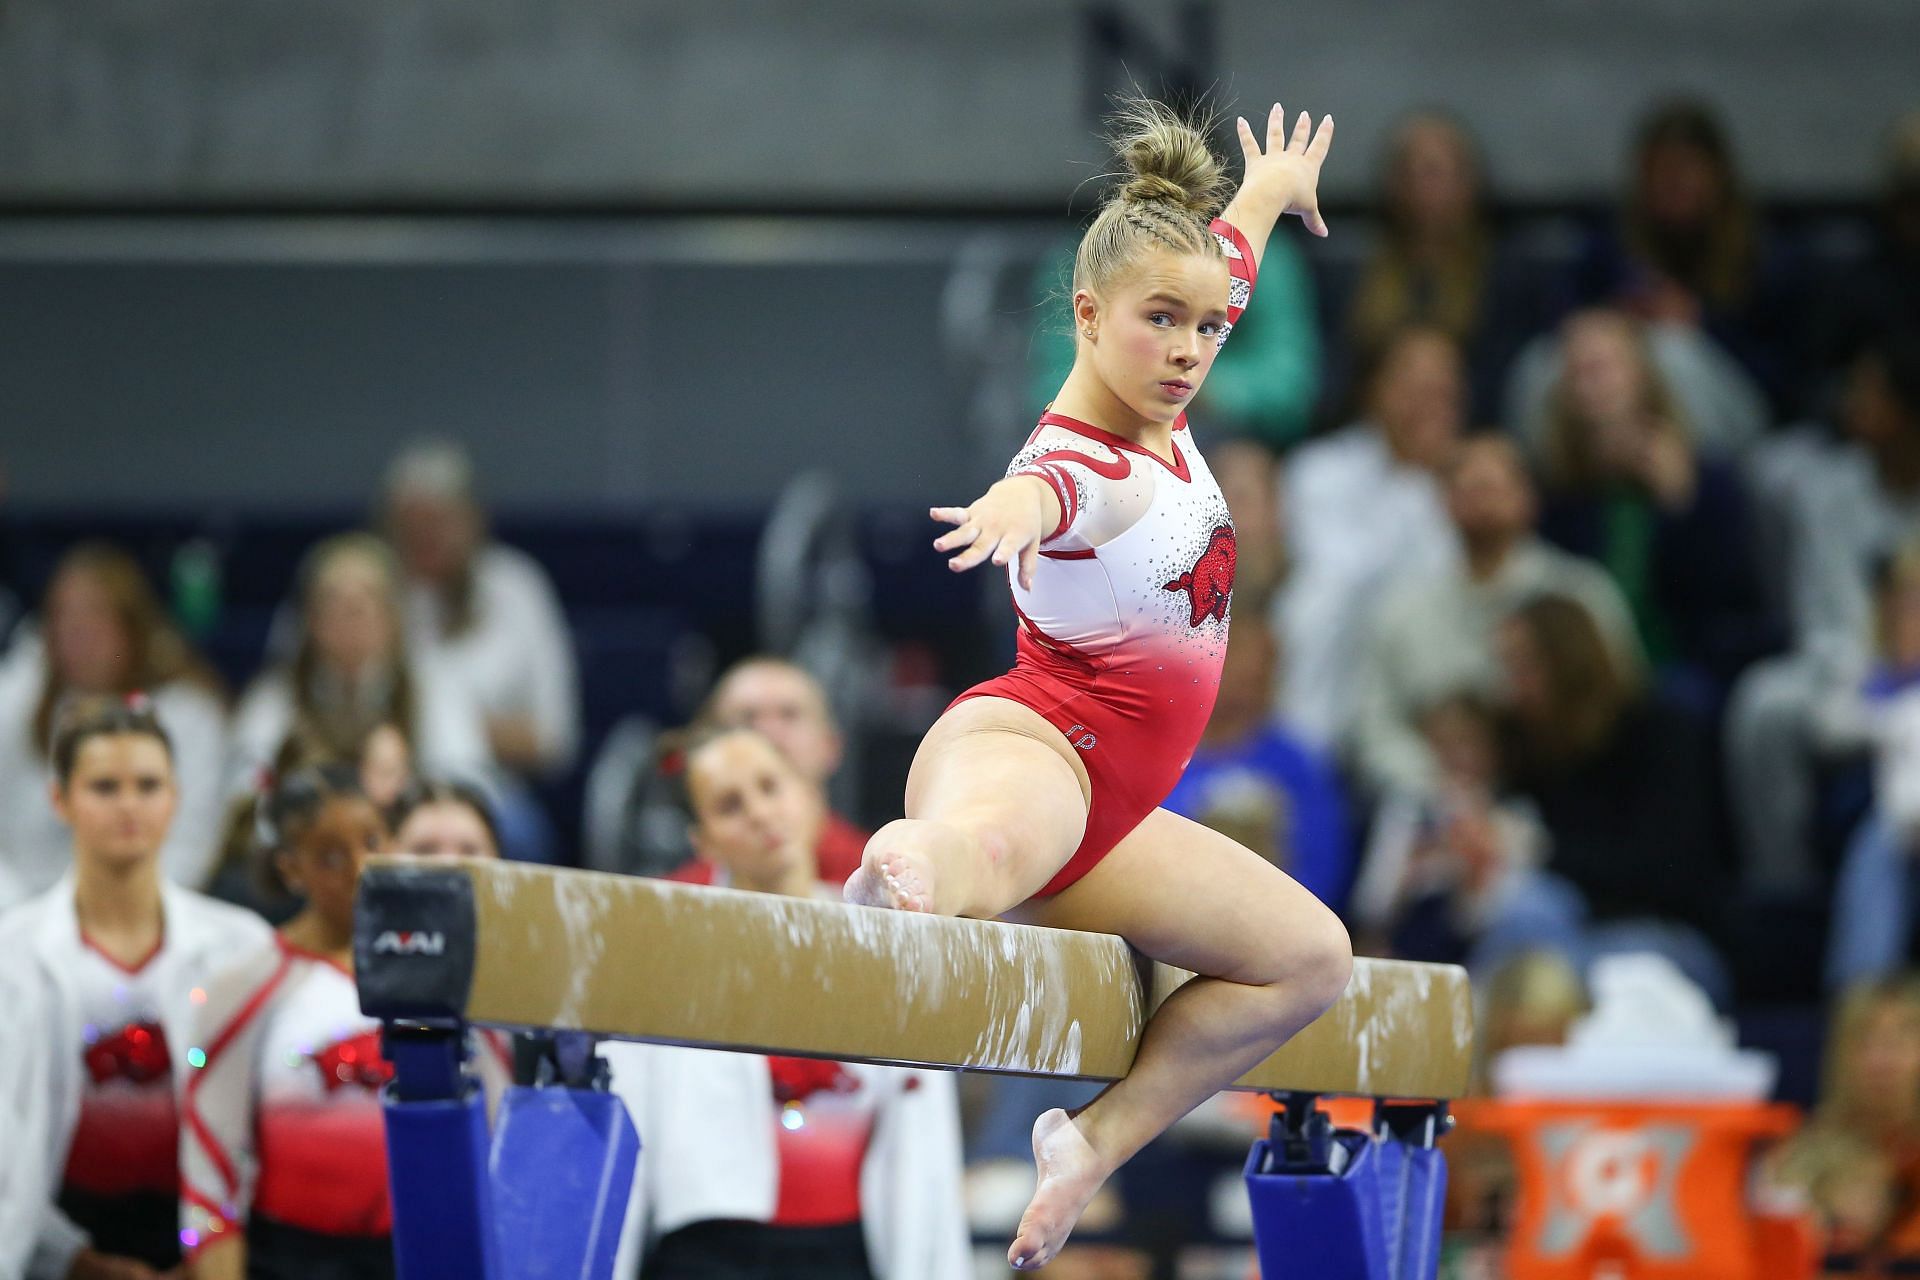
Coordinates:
(282,1115)
(1125,630)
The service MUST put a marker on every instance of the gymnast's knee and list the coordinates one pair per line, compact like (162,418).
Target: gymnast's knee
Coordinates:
(1314,969)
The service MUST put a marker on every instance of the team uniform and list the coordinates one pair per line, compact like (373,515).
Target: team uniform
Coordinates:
(756,1167)
(282,1136)
(1124,632)
(113,1041)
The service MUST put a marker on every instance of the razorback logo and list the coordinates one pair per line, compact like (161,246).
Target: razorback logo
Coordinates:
(136,1053)
(1209,583)
(410,942)
(354,1061)
(797,1079)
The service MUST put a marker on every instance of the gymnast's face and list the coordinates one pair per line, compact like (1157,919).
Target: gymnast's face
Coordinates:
(1155,330)
(323,866)
(755,815)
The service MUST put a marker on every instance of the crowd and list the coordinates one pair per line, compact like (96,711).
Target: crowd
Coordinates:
(1578,612)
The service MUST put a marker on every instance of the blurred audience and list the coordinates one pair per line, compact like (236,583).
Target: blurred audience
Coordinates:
(484,611)
(1363,506)
(102,632)
(442,820)
(1255,781)
(782,701)
(1857,1162)
(1689,249)
(1432,637)
(1627,486)
(352,671)
(1848,508)
(769,1166)
(1623,785)
(1882,293)
(1436,260)
(119,953)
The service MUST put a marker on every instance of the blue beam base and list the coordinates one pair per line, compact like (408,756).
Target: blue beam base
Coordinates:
(562,1172)
(437,1175)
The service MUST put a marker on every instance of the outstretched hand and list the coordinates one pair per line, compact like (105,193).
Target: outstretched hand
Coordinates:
(1006,523)
(1287,172)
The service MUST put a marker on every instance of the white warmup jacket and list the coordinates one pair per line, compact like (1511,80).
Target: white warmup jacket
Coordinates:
(25,1183)
(201,937)
(708,1150)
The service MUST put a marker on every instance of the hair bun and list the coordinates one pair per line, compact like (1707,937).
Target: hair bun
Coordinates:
(1167,158)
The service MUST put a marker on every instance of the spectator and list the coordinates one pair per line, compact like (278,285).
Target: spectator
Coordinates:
(1689,250)
(484,611)
(1442,864)
(1873,909)
(766,1166)
(1364,505)
(1848,511)
(1249,479)
(1623,785)
(1882,294)
(105,633)
(443,819)
(782,701)
(1869,1098)
(351,671)
(1437,261)
(1627,486)
(264,1127)
(1433,635)
(1253,780)
(117,953)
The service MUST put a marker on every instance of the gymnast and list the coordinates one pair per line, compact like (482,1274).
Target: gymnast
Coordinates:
(1035,796)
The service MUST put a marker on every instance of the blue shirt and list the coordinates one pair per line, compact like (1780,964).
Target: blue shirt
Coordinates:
(1273,781)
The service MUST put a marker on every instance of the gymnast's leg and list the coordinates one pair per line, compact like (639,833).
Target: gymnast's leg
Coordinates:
(1274,958)
(996,804)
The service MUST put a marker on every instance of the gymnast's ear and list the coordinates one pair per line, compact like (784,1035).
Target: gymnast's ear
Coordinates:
(1086,312)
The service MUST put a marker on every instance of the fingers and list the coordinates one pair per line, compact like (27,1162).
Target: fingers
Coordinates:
(964,536)
(1301,130)
(1277,128)
(948,515)
(974,555)
(1249,145)
(1029,561)
(1317,149)
(1315,223)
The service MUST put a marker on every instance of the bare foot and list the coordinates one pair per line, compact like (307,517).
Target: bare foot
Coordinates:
(1070,1171)
(899,879)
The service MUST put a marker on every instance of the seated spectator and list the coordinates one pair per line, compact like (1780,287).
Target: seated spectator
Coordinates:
(1881,294)
(350,672)
(1254,781)
(1442,864)
(1432,637)
(119,954)
(1437,261)
(1627,486)
(483,611)
(784,702)
(1689,250)
(103,632)
(1874,904)
(443,820)
(1848,511)
(1869,1108)
(1362,506)
(1623,785)
(769,1166)
(1249,479)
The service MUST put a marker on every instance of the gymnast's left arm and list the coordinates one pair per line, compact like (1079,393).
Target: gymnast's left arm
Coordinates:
(1282,178)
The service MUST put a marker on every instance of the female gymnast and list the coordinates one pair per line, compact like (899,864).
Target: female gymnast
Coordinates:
(1036,794)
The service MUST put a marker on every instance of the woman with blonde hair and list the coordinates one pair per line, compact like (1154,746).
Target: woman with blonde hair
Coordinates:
(351,672)
(1037,794)
(1626,485)
(104,633)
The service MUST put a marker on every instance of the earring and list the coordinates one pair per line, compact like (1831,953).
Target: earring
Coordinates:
(1086,333)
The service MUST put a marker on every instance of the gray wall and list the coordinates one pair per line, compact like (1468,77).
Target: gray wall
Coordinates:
(876,101)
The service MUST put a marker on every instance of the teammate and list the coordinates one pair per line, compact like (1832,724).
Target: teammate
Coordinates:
(767,1168)
(1035,795)
(118,956)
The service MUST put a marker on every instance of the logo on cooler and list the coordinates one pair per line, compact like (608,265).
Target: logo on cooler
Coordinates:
(1209,583)
(410,942)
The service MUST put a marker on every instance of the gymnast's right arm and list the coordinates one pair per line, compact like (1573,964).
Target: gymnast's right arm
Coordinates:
(1010,519)
(1283,179)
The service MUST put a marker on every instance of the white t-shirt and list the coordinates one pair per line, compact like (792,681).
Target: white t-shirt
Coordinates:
(517,658)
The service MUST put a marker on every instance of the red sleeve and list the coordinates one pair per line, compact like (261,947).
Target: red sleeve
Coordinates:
(1244,270)
(1063,488)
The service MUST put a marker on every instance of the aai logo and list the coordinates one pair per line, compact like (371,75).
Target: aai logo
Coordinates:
(410,942)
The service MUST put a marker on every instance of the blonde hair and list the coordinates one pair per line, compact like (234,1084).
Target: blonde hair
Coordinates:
(1173,188)
(1841,1103)
(1572,461)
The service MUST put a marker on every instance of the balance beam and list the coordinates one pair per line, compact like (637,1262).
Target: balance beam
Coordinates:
(512,945)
